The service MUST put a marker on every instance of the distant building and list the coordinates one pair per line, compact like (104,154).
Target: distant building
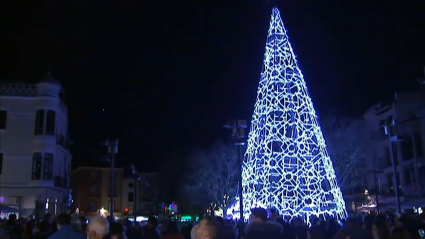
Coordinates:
(91,192)
(408,111)
(34,147)
(146,195)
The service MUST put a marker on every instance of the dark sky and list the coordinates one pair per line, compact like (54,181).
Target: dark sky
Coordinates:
(168,75)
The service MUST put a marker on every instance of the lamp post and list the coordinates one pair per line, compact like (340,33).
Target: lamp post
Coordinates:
(135,187)
(112,145)
(238,136)
(389,128)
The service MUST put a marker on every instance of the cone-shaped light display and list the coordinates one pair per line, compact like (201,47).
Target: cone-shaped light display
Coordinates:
(286,164)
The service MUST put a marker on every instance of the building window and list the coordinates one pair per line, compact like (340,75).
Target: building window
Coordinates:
(50,122)
(48,166)
(130,185)
(36,166)
(409,175)
(147,196)
(39,122)
(407,148)
(1,163)
(93,192)
(92,207)
(130,197)
(3,119)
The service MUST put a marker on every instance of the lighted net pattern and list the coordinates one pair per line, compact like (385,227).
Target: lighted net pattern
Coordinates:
(286,165)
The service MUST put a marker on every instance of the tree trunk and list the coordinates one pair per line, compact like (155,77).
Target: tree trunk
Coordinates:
(224,212)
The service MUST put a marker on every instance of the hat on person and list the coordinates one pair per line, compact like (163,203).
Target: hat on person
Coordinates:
(260,213)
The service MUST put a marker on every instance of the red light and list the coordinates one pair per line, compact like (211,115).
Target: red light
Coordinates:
(125,209)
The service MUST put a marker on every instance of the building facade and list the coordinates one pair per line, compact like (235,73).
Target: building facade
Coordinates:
(34,147)
(143,200)
(91,192)
(406,145)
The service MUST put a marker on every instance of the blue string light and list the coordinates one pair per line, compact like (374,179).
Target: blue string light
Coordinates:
(286,165)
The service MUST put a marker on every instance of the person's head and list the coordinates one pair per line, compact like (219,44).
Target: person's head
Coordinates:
(97,228)
(399,232)
(258,215)
(172,228)
(351,222)
(117,231)
(207,228)
(343,233)
(12,217)
(274,214)
(82,219)
(152,222)
(296,222)
(316,222)
(63,219)
(48,217)
(315,232)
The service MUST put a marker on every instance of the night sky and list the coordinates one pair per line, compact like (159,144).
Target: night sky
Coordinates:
(164,77)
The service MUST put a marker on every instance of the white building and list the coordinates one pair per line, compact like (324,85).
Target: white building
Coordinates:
(408,111)
(34,155)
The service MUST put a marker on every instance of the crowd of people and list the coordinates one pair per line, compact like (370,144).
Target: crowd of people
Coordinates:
(262,224)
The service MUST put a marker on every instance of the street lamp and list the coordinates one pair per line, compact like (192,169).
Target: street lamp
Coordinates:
(112,145)
(389,127)
(238,136)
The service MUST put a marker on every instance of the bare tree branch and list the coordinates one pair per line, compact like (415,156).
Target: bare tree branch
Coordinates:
(212,176)
(349,148)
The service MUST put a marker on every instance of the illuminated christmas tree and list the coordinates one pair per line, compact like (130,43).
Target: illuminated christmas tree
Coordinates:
(286,165)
